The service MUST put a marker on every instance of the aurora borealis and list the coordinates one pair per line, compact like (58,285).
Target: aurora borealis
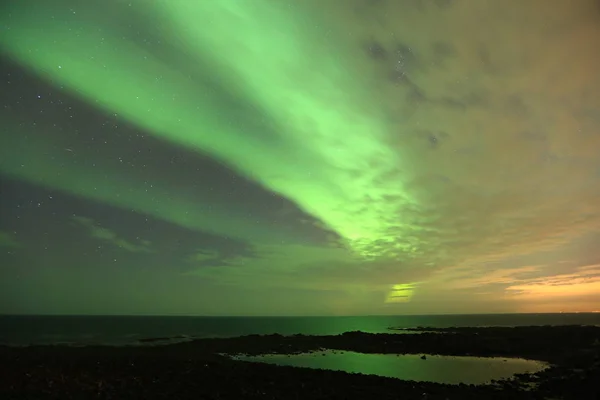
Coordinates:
(299,158)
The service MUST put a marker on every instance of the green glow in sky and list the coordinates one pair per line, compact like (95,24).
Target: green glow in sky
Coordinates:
(322,143)
(43,164)
(344,156)
(401,293)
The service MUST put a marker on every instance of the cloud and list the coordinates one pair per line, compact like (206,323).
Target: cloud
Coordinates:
(477,277)
(108,236)
(308,267)
(400,293)
(584,281)
(514,171)
(7,239)
(493,142)
(533,288)
(202,256)
(438,143)
(468,141)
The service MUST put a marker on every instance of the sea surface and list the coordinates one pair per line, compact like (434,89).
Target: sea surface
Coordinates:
(119,330)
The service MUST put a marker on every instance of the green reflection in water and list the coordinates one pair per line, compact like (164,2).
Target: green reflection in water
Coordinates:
(442,369)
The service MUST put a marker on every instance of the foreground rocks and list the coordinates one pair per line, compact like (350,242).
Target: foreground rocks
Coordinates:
(196,370)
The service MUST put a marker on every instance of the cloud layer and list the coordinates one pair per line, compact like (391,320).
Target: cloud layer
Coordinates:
(448,146)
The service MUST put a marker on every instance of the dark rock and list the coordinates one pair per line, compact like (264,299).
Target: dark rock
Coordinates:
(195,369)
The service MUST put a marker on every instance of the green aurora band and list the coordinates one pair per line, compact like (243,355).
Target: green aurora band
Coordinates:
(97,179)
(324,145)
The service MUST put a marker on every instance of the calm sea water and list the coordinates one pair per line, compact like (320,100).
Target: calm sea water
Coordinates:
(22,330)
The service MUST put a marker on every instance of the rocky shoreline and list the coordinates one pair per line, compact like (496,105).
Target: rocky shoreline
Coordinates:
(198,369)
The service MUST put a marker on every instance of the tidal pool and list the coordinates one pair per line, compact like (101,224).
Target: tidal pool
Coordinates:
(442,369)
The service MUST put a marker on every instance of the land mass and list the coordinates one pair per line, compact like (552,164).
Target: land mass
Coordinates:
(201,369)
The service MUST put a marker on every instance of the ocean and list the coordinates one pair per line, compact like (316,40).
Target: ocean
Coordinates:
(121,330)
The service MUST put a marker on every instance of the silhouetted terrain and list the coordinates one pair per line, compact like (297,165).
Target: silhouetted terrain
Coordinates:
(196,370)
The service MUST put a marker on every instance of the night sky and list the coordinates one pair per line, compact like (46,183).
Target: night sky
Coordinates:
(299,157)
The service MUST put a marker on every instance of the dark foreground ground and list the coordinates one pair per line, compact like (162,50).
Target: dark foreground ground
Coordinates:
(195,370)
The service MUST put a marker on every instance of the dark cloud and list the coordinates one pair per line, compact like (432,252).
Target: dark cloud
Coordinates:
(443,51)
(516,105)
(376,51)
(444,3)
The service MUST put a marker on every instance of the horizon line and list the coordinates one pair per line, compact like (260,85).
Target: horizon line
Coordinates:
(292,316)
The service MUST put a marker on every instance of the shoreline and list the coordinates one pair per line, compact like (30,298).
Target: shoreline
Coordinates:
(197,368)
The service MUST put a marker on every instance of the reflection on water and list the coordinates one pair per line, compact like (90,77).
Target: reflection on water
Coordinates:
(443,369)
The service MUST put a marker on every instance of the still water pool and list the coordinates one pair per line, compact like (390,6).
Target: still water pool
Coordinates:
(442,369)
